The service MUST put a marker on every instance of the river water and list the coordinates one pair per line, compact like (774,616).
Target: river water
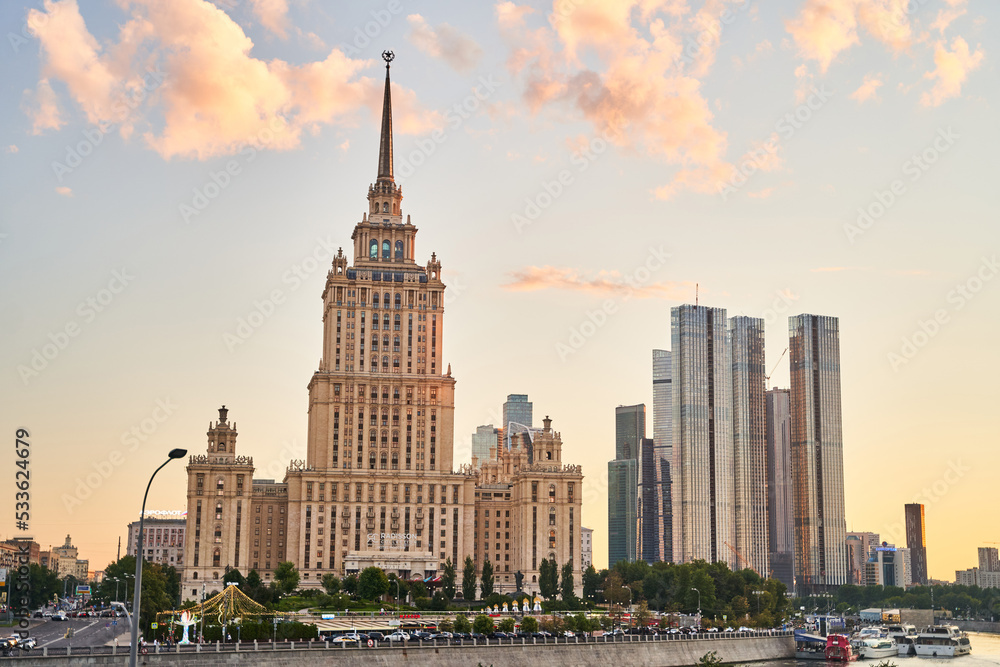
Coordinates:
(985,653)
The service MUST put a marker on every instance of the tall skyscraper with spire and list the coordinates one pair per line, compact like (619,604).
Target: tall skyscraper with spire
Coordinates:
(378,486)
(817,454)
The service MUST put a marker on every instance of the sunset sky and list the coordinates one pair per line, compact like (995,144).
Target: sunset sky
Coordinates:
(177,174)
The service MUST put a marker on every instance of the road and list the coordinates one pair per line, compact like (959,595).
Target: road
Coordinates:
(86,632)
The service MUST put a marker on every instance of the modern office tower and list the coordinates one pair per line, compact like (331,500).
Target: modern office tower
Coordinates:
(817,454)
(483,439)
(988,559)
(663,445)
(916,542)
(517,409)
(702,469)
(647,507)
(622,484)
(746,341)
(630,428)
(889,566)
(780,527)
(860,547)
(586,547)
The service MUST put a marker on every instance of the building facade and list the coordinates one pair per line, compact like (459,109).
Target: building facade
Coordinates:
(746,340)
(379,484)
(586,547)
(702,470)
(817,453)
(916,542)
(663,440)
(623,484)
(889,566)
(989,561)
(978,577)
(65,562)
(164,539)
(483,440)
(517,408)
(860,547)
(647,502)
(780,526)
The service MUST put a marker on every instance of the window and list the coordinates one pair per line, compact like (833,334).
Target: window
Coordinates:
(552,493)
(385,244)
(552,541)
(219,485)
(552,517)
(399,254)
(385,209)
(373,248)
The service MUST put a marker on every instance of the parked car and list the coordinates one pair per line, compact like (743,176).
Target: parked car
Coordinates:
(38,614)
(377,636)
(568,634)
(59,616)
(398,636)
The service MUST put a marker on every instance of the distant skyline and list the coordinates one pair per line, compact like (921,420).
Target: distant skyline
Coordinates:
(178,177)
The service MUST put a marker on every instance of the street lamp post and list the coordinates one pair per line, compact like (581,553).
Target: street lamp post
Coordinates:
(699,606)
(397,592)
(137,593)
(201,616)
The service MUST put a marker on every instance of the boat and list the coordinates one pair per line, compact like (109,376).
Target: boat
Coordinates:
(878,648)
(871,632)
(942,641)
(905,647)
(903,634)
(809,647)
(838,649)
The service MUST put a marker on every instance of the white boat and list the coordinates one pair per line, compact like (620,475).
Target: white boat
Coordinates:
(871,632)
(878,648)
(903,635)
(942,641)
(904,645)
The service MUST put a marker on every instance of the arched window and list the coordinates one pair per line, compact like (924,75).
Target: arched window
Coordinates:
(216,559)
(552,541)
(222,445)
(374,364)
(399,300)
(385,438)
(374,296)
(395,438)
(552,516)
(371,459)
(399,250)
(385,300)
(385,363)
(383,461)
(218,511)
(395,362)
(373,248)
(219,485)
(385,247)
(395,325)
(385,341)
(194,575)
(372,419)
(371,437)
(374,342)
(218,534)
(552,493)
(395,460)
(385,417)
(385,207)
(395,417)
(395,345)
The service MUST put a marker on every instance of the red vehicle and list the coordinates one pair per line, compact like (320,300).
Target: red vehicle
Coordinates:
(838,649)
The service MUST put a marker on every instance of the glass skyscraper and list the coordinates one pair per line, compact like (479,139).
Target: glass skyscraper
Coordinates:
(916,542)
(517,409)
(663,446)
(702,470)
(484,438)
(746,340)
(623,483)
(780,526)
(817,453)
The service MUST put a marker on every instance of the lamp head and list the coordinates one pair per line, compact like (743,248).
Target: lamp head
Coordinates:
(177,453)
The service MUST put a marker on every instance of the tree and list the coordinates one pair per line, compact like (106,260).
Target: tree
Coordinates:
(591,582)
(372,584)
(548,579)
(529,624)
(462,624)
(287,576)
(483,624)
(506,625)
(642,615)
(486,579)
(439,602)
(45,583)
(349,584)
(448,580)
(331,584)
(233,576)
(566,584)
(469,579)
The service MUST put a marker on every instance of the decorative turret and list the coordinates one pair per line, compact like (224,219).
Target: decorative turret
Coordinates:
(222,436)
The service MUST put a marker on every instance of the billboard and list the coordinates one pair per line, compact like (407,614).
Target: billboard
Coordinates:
(82,590)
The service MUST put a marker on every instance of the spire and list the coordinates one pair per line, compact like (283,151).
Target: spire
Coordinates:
(385,143)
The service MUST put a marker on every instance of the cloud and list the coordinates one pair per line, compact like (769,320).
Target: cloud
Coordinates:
(64,191)
(761,194)
(11,149)
(604,283)
(951,69)
(836,269)
(272,14)
(946,15)
(41,106)
(825,28)
(867,89)
(184,73)
(460,51)
(633,70)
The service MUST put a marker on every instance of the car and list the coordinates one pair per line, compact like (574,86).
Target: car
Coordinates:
(744,628)
(377,636)
(497,634)
(59,616)
(348,638)
(568,634)
(38,614)
(47,614)
(398,636)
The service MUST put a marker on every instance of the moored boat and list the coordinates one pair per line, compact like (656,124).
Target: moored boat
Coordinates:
(878,648)
(838,649)
(942,641)
(809,647)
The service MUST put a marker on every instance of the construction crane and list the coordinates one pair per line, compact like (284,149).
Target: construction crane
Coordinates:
(767,378)
(743,560)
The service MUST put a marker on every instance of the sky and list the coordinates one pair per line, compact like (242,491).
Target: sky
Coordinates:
(177,176)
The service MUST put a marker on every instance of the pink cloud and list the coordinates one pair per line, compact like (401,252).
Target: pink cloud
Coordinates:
(460,51)
(189,63)
(604,283)
(867,89)
(273,15)
(42,107)
(64,191)
(951,69)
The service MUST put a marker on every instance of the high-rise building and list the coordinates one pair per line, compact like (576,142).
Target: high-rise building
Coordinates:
(586,547)
(889,566)
(517,409)
(379,485)
(817,453)
(647,507)
(780,526)
(702,470)
(623,482)
(988,559)
(663,445)
(483,439)
(916,542)
(746,340)
(164,539)
(860,547)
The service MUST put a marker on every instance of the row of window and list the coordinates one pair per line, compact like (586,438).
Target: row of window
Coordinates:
(386,248)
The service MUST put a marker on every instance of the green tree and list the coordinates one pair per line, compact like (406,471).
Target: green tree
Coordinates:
(331,584)
(506,625)
(418,589)
(486,579)
(233,576)
(566,584)
(591,582)
(483,624)
(372,584)
(462,624)
(45,583)
(642,615)
(529,624)
(349,584)
(287,577)
(448,580)
(439,602)
(469,579)
(548,579)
